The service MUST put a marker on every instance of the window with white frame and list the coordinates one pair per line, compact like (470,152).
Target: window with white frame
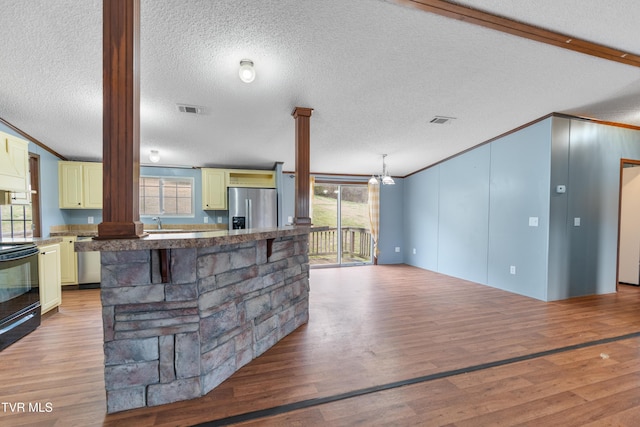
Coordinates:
(16,220)
(166,196)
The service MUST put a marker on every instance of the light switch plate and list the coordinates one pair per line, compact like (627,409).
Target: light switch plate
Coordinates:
(561,189)
(576,222)
(397,248)
(533,221)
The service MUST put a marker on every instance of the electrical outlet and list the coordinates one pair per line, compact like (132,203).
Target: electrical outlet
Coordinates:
(219,220)
(90,220)
(533,221)
(414,251)
(206,219)
(397,248)
(576,222)
(512,269)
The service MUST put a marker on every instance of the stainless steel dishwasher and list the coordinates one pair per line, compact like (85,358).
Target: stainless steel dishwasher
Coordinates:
(88,266)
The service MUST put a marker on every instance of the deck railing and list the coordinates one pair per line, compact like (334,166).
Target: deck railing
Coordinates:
(356,242)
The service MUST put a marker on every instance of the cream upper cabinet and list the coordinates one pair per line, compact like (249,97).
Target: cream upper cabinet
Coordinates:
(14,163)
(80,185)
(92,185)
(68,261)
(49,277)
(70,183)
(214,189)
(251,178)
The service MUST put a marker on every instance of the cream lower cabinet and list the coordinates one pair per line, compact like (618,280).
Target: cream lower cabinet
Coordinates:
(214,189)
(68,261)
(49,277)
(80,185)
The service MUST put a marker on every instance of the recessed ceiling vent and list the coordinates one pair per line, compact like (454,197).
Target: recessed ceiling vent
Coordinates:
(190,109)
(440,120)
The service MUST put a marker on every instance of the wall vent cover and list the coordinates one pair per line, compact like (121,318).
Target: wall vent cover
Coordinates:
(440,120)
(190,109)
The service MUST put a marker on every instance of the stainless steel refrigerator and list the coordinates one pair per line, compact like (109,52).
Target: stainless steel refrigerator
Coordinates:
(252,208)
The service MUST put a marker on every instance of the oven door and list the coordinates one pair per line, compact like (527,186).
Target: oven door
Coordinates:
(19,292)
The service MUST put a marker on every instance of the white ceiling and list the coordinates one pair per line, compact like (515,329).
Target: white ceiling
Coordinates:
(374,72)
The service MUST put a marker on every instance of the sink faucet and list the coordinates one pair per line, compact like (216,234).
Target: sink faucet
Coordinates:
(159,221)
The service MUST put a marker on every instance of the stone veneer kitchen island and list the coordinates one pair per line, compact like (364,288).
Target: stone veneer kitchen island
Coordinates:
(183,311)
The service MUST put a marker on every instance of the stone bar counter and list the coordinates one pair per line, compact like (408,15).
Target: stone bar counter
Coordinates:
(183,311)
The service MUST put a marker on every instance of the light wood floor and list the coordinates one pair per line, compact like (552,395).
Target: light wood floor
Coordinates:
(371,326)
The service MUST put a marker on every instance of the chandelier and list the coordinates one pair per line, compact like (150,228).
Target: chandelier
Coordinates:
(384,178)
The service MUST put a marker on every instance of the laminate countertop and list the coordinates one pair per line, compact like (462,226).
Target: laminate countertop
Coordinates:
(39,241)
(175,240)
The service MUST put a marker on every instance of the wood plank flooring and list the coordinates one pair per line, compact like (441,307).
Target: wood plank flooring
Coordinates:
(371,326)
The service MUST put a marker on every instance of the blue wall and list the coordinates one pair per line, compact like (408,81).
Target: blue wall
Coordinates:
(469,217)
(391,223)
(583,259)
(464,214)
(519,190)
(421,218)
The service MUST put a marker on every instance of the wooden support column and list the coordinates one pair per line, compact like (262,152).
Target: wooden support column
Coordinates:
(121,120)
(302,117)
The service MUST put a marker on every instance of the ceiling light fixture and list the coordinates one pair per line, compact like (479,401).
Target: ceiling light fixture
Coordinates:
(154,156)
(247,72)
(384,178)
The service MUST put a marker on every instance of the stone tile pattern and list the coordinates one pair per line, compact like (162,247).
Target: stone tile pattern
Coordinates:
(224,306)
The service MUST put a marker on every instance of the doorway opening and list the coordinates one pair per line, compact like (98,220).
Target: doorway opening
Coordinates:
(341,233)
(629,223)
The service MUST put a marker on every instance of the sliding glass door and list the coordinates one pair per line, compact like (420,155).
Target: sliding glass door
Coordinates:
(341,232)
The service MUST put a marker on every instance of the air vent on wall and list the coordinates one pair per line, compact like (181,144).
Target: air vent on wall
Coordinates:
(191,109)
(440,120)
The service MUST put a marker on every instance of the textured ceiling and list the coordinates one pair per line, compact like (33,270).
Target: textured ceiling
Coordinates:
(374,72)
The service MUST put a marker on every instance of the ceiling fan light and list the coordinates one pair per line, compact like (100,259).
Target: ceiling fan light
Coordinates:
(246,72)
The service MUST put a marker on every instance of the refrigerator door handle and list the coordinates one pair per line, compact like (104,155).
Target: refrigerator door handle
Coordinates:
(249,212)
